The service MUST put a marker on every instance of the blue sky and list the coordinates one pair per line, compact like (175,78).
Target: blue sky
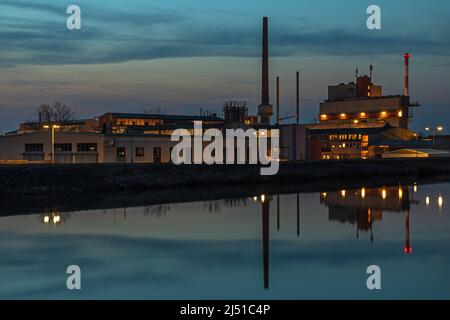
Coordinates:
(181,56)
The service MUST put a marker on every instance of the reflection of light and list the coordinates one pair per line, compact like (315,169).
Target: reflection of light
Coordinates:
(427,201)
(400,193)
(263,198)
(363,193)
(56,219)
(440,202)
(343,193)
(384,194)
(46,219)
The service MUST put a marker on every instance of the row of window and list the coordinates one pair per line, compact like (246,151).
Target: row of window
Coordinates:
(121,153)
(62,147)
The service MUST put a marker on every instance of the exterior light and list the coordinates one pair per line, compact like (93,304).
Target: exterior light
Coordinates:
(400,114)
(323,117)
(255,199)
(384,194)
(400,193)
(362,114)
(263,198)
(384,114)
(46,219)
(363,193)
(343,116)
(440,202)
(427,201)
(343,193)
(440,128)
(324,195)
(46,127)
(415,188)
(355,121)
(427,129)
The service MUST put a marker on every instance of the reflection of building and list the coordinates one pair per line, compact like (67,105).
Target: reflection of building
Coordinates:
(366,206)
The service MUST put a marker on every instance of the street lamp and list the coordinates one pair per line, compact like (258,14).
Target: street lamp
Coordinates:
(434,131)
(53,127)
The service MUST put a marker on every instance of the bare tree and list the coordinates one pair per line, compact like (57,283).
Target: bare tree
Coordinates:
(45,113)
(57,112)
(62,112)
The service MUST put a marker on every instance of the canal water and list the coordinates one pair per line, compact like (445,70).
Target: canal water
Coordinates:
(290,246)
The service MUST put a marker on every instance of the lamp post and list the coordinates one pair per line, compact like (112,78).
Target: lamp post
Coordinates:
(53,127)
(434,131)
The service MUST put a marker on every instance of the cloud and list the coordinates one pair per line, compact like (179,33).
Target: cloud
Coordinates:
(113,35)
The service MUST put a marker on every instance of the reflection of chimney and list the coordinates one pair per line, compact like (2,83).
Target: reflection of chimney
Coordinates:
(408,249)
(278,212)
(265,218)
(298,215)
(265,110)
(406,56)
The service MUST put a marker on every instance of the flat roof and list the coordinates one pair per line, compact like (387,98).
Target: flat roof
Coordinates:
(161,116)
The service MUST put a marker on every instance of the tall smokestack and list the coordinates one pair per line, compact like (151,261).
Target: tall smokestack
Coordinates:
(406,56)
(298,98)
(265,110)
(371,73)
(278,100)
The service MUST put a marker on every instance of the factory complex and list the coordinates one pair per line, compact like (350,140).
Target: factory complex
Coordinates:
(356,121)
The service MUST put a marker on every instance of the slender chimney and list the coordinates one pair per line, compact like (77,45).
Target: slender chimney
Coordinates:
(265,63)
(406,56)
(265,110)
(298,98)
(371,73)
(278,100)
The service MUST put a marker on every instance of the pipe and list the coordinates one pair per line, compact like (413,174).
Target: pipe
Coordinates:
(406,56)
(265,63)
(278,100)
(298,98)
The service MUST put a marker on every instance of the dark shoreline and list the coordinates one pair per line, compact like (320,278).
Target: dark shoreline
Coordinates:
(39,188)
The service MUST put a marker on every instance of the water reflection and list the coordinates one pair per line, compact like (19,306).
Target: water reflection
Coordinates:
(298,237)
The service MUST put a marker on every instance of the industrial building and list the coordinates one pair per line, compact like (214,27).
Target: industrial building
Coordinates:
(358,122)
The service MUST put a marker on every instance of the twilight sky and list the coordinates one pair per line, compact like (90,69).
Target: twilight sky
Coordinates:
(183,55)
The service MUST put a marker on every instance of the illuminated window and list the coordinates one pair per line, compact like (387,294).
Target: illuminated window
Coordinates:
(86,147)
(121,153)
